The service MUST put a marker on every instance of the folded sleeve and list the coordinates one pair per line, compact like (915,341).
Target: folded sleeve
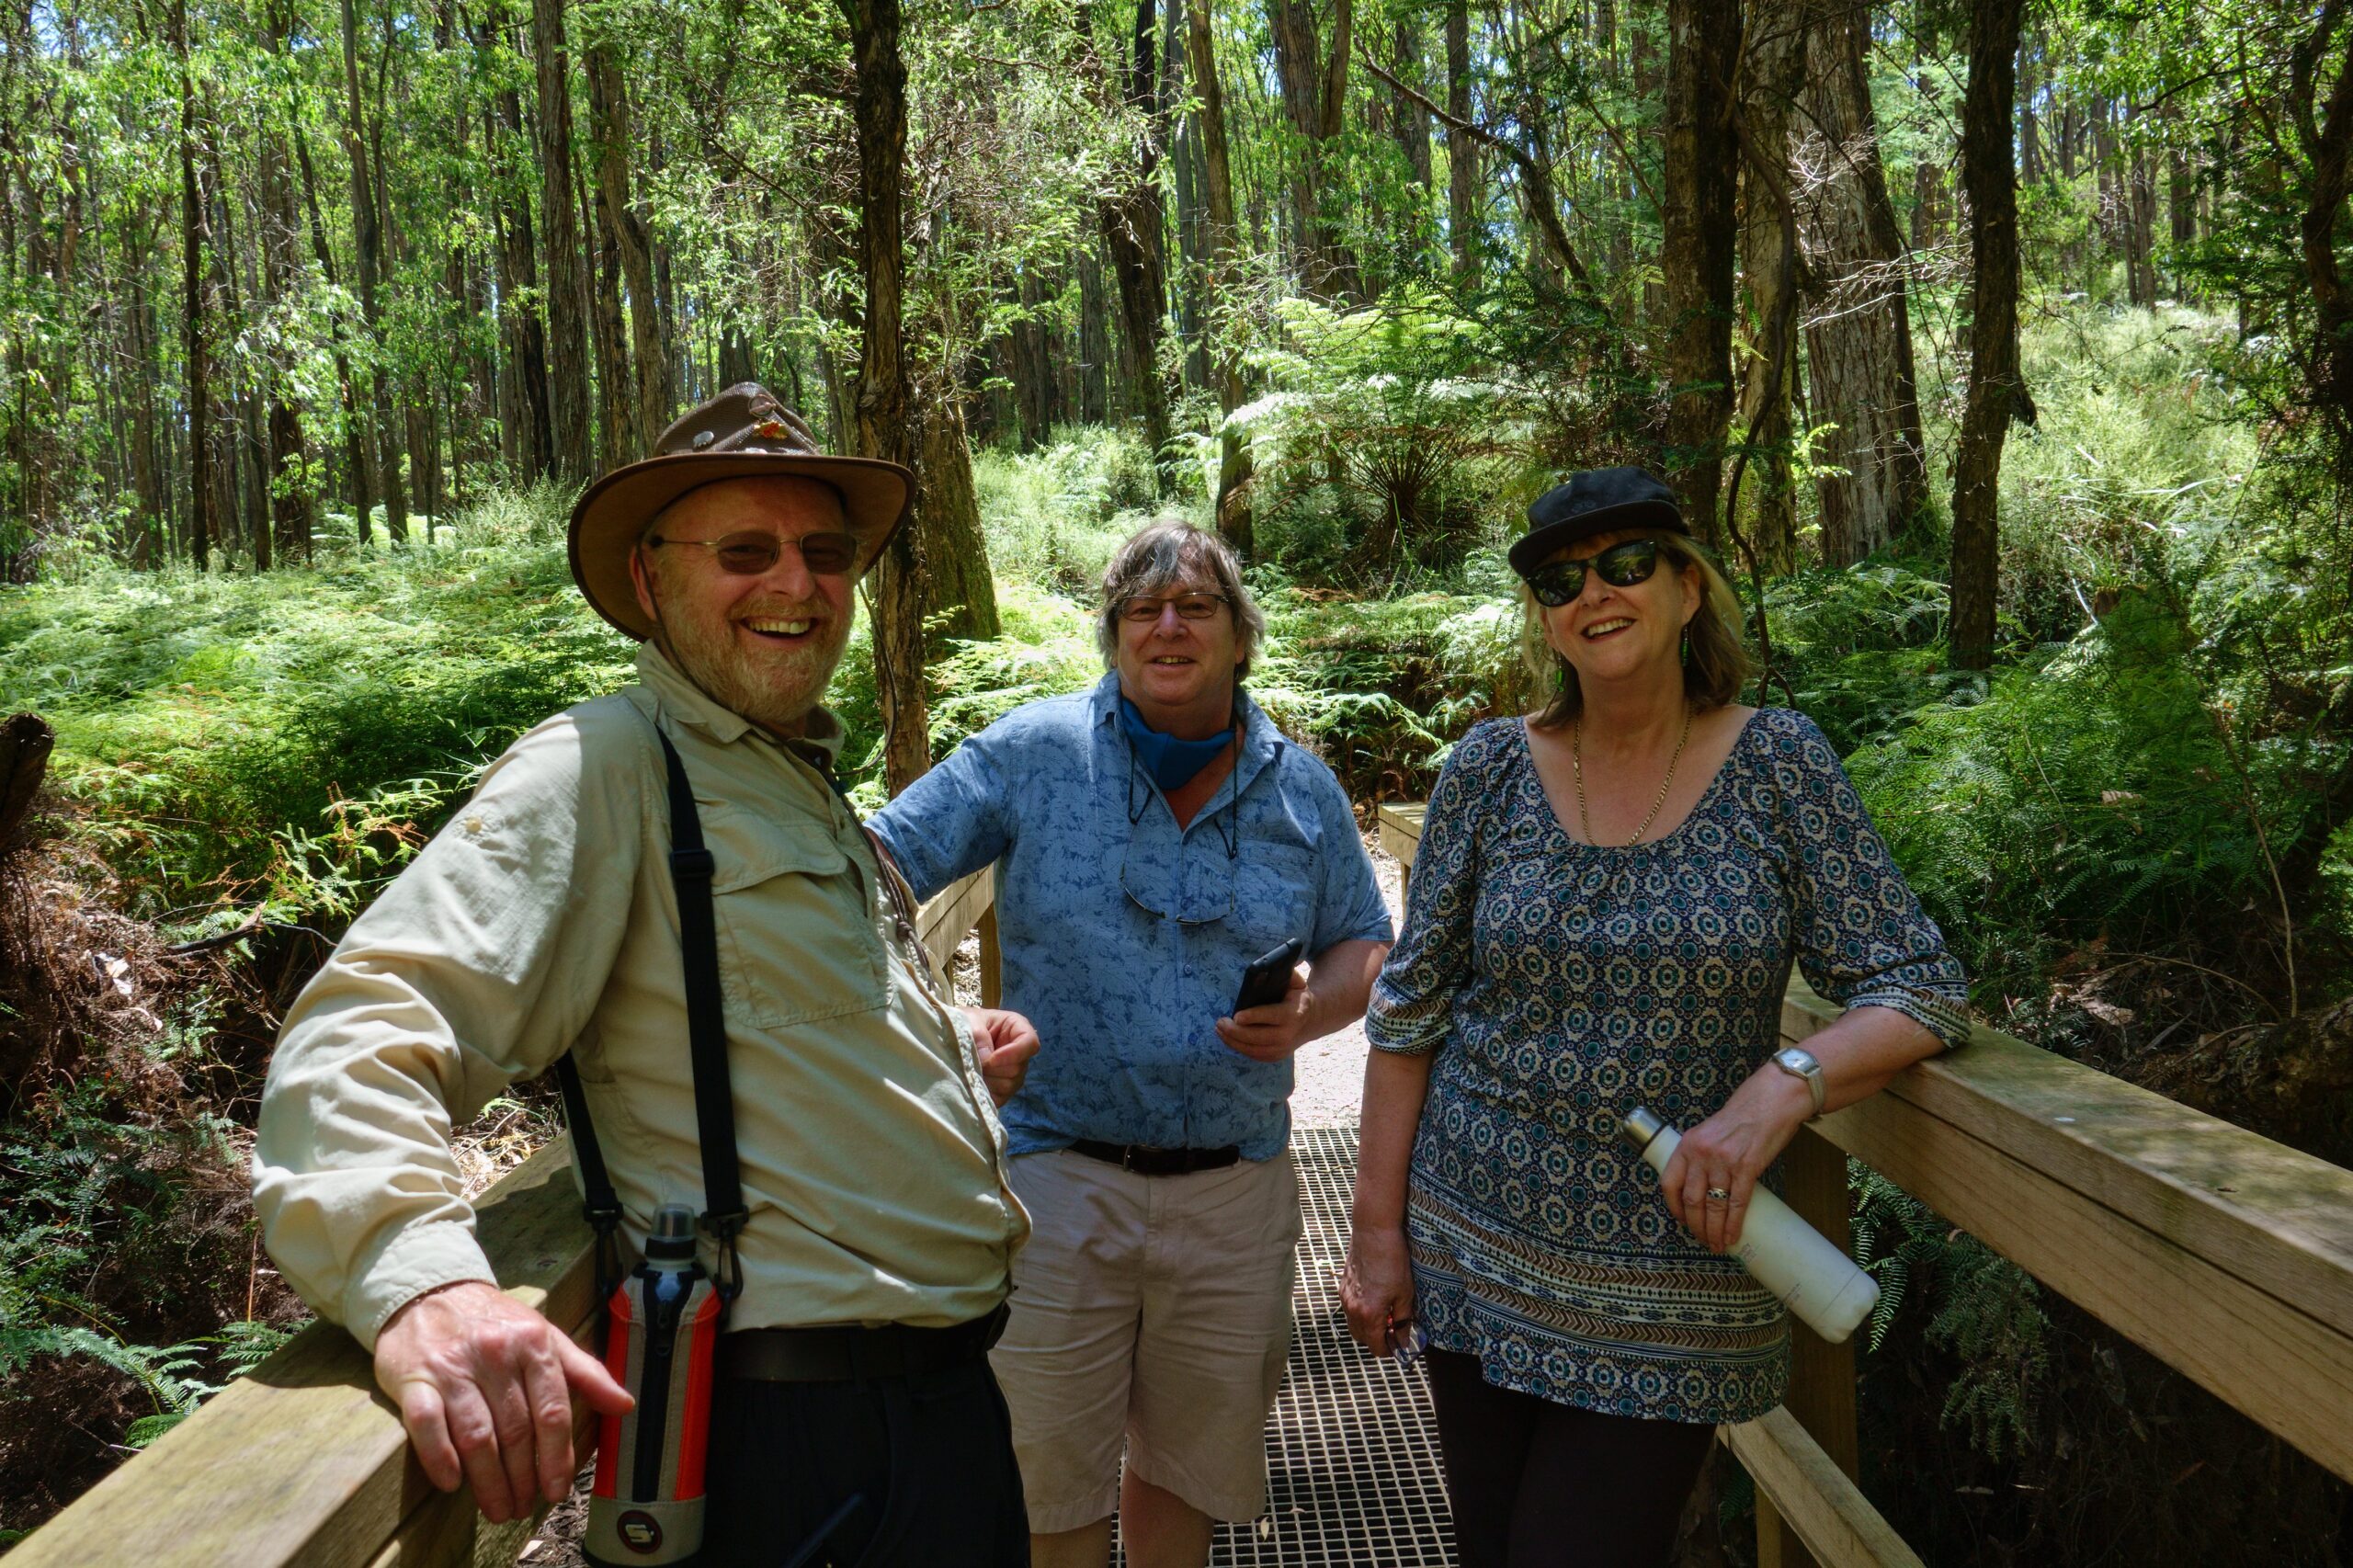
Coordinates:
(953,821)
(479,965)
(1863,939)
(1412,1002)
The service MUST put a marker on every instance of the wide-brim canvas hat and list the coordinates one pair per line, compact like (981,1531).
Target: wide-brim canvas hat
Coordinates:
(743,433)
(1599,501)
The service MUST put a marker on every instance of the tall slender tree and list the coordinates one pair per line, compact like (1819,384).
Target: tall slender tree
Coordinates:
(1990,178)
(1134,221)
(1699,178)
(195,233)
(1860,382)
(1234,516)
(880,402)
(572,457)
(1315,87)
(1464,197)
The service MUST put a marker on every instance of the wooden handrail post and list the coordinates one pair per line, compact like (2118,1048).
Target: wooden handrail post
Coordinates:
(1822,1375)
(991,960)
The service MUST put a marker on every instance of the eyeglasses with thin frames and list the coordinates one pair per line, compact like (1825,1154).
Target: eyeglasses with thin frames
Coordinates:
(1190,606)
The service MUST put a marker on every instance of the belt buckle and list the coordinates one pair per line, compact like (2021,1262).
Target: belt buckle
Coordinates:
(1127,1152)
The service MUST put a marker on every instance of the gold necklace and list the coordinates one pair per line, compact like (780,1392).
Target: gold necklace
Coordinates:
(1576,763)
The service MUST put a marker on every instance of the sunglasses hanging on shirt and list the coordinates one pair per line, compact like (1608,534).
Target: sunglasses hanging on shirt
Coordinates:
(1228,831)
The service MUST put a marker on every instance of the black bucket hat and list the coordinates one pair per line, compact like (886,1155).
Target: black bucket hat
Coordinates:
(743,433)
(1598,501)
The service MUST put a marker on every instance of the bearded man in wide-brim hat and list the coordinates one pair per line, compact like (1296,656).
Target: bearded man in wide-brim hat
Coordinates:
(854,1402)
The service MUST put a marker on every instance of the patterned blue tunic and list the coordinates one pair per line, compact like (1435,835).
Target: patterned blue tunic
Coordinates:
(1562,983)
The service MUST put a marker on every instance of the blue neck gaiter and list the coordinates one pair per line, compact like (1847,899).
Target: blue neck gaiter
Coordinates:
(1171,762)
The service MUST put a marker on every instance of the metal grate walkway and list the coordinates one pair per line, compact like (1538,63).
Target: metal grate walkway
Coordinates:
(1352,1463)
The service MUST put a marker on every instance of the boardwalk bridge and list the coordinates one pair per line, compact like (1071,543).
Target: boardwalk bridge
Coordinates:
(2225,1254)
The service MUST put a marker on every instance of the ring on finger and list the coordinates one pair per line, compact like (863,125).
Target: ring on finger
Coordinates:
(1719,1195)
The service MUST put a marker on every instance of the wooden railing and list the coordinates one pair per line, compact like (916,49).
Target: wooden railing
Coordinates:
(2227,1255)
(301,1462)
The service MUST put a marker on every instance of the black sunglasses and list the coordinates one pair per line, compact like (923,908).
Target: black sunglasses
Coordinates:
(1555,583)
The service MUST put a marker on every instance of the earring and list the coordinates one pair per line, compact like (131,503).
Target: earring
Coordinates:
(1687,645)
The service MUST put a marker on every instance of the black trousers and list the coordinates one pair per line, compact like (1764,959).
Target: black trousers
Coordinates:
(1536,1484)
(909,1472)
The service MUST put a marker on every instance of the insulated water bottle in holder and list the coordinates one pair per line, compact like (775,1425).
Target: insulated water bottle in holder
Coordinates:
(1781,1252)
(646,1505)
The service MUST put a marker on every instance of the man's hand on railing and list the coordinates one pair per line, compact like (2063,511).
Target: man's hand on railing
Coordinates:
(1004,1042)
(484,1385)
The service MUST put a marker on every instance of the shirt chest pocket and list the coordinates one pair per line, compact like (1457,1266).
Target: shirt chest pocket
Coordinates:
(797,938)
(1275,887)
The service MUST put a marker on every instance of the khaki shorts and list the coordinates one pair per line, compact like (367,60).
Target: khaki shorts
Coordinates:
(1152,1313)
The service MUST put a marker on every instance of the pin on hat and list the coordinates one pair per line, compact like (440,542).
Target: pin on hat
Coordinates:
(743,433)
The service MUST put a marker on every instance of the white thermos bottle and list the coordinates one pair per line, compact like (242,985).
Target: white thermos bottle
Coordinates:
(1787,1257)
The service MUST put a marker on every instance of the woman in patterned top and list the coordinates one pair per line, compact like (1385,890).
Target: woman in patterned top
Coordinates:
(1605,907)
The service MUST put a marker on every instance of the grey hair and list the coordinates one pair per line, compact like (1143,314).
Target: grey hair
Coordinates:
(1158,556)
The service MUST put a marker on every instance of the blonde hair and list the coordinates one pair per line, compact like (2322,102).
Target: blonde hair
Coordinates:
(1715,661)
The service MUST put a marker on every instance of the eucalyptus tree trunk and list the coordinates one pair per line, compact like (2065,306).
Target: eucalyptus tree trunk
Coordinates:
(292,490)
(1233,518)
(367,250)
(1407,121)
(959,593)
(358,468)
(881,400)
(608,102)
(1462,178)
(1134,221)
(1990,180)
(572,460)
(1772,75)
(1093,369)
(1314,88)
(1700,174)
(526,436)
(618,439)
(195,233)
(1858,328)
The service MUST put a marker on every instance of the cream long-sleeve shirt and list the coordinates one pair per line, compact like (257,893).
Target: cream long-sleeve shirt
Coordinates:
(543,917)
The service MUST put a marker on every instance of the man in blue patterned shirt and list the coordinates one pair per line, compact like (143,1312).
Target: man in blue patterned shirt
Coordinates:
(1152,837)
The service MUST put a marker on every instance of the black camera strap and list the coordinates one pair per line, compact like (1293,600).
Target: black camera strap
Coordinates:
(724,1216)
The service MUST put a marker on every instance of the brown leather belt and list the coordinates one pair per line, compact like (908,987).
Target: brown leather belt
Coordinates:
(850,1353)
(1145,1160)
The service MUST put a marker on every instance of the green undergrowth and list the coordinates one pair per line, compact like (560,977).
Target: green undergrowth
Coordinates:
(275,739)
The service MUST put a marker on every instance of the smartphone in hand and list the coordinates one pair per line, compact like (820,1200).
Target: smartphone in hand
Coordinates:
(1268,978)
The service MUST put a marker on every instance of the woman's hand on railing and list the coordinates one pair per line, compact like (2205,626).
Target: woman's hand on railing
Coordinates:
(1004,1042)
(1377,1286)
(484,1386)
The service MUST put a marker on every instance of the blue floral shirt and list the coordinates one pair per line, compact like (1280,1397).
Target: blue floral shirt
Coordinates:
(1560,983)
(1124,999)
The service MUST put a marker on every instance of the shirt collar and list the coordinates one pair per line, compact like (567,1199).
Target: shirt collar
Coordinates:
(819,745)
